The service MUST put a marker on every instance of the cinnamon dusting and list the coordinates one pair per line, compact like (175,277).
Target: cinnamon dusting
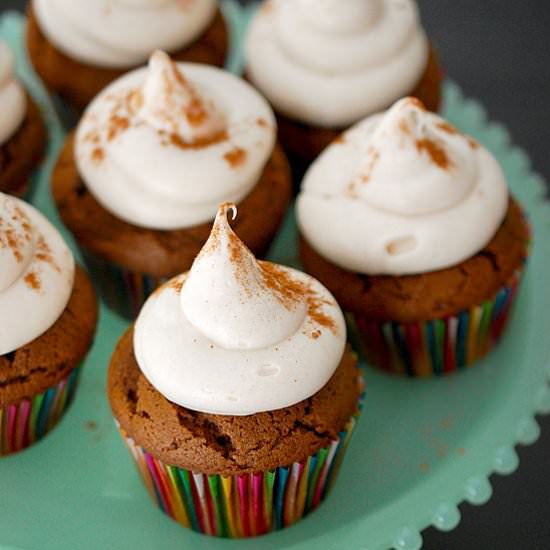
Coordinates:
(437,154)
(200,143)
(32,281)
(11,238)
(236,157)
(290,291)
(44,253)
(98,154)
(116,125)
(262,122)
(374,158)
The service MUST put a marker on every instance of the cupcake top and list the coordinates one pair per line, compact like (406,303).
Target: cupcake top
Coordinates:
(238,336)
(121,33)
(163,146)
(12,96)
(326,65)
(410,194)
(36,274)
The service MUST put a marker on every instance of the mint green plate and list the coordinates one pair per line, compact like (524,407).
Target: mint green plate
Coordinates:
(420,448)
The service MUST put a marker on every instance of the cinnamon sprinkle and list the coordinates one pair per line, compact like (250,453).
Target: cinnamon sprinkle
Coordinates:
(374,158)
(236,157)
(437,154)
(117,125)
(290,291)
(98,154)
(32,281)
(262,122)
(44,253)
(200,143)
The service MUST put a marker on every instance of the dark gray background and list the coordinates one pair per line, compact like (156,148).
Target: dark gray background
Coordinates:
(499,52)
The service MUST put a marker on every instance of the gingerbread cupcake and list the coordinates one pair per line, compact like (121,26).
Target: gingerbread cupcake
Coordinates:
(140,180)
(235,391)
(48,322)
(427,247)
(324,67)
(22,132)
(78,47)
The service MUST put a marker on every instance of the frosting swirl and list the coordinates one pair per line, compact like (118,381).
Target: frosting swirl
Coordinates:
(36,274)
(328,66)
(162,147)
(411,194)
(238,336)
(12,96)
(121,33)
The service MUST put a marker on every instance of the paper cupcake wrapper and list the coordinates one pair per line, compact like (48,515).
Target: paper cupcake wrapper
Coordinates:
(122,290)
(25,422)
(438,346)
(245,505)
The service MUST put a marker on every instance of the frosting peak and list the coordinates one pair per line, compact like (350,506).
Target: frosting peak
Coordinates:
(436,166)
(238,336)
(173,105)
(226,278)
(36,274)
(12,96)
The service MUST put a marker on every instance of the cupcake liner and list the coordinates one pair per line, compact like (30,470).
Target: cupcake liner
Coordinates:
(438,346)
(244,505)
(122,290)
(27,421)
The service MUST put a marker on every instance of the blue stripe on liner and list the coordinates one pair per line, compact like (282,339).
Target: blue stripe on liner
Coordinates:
(280,484)
(461,336)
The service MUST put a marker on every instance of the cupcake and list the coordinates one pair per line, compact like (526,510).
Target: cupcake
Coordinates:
(324,68)
(235,391)
(426,248)
(48,321)
(139,182)
(79,47)
(22,132)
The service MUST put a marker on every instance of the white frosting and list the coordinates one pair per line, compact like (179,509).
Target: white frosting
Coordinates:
(236,336)
(12,96)
(410,194)
(121,33)
(327,64)
(163,147)
(36,274)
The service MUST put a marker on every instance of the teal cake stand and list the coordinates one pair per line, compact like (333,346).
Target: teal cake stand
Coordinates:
(420,449)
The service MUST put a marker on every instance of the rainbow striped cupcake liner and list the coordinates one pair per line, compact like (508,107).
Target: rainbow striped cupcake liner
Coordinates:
(439,346)
(27,421)
(244,505)
(122,290)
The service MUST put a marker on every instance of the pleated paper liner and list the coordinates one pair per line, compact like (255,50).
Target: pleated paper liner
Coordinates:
(245,505)
(29,420)
(122,290)
(438,346)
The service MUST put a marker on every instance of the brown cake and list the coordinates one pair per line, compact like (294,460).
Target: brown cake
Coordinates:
(412,298)
(228,445)
(78,83)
